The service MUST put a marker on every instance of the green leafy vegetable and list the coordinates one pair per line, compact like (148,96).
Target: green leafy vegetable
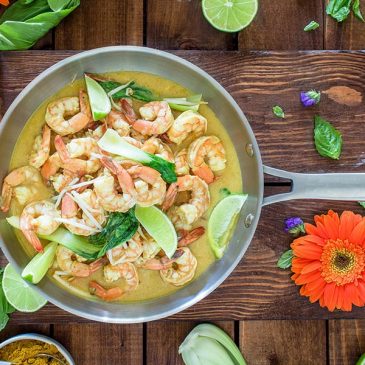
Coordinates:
(362,204)
(208,344)
(311,26)
(340,9)
(113,143)
(225,192)
(38,266)
(361,360)
(327,139)
(285,260)
(278,111)
(24,22)
(119,229)
(5,307)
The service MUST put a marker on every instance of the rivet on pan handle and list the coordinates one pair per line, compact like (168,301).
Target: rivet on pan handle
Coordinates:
(331,186)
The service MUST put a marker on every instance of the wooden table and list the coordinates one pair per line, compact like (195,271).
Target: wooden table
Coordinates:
(258,304)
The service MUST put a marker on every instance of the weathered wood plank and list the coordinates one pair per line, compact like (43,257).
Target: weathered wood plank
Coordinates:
(164,338)
(279,25)
(95,344)
(257,289)
(95,24)
(283,342)
(346,341)
(13,330)
(180,24)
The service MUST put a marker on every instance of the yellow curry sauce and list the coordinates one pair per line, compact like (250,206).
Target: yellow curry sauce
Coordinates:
(151,285)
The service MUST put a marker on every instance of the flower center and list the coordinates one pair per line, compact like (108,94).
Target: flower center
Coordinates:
(342,262)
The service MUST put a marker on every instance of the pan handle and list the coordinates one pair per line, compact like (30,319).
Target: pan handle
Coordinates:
(332,186)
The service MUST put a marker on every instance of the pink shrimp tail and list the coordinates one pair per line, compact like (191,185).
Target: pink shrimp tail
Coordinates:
(188,237)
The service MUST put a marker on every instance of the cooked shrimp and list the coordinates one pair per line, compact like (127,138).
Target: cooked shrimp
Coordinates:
(150,249)
(185,215)
(51,166)
(74,264)
(188,237)
(127,271)
(205,156)
(162,263)
(38,218)
(105,188)
(156,116)
(61,180)
(129,251)
(188,123)
(41,148)
(118,122)
(72,154)
(77,108)
(157,147)
(148,184)
(27,176)
(80,222)
(181,163)
(183,269)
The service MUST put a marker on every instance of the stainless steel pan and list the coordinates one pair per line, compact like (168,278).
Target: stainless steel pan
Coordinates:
(316,186)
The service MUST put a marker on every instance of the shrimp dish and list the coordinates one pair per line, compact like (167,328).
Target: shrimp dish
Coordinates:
(85,180)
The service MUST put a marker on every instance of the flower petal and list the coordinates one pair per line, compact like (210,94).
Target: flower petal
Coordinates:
(314,265)
(348,221)
(358,233)
(329,296)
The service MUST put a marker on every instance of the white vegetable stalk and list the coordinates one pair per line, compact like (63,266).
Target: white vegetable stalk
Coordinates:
(208,344)
(71,222)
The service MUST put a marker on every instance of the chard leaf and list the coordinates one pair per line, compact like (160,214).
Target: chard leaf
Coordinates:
(285,260)
(328,139)
(23,23)
(120,228)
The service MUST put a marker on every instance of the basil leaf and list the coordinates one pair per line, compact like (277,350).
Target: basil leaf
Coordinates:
(327,139)
(23,23)
(120,228)
(278,111)
(285,260)
(357,11)
(311,26)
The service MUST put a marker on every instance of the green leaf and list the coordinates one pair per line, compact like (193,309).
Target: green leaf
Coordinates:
(5,307)
(120,228)
(4,319)
(225,192)
(278,111)
(362,204)
(57,5)
(311,26)
(327,139)
(23,23)
(285,260)
(357,11)
(339,9)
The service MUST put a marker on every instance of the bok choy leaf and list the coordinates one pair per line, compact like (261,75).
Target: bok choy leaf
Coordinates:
(25,21)
(113,143)
(208,344)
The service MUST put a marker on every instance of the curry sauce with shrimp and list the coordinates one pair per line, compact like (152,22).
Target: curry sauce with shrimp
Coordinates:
(62,183)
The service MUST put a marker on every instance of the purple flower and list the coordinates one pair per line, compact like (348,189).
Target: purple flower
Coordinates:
(309,98)
(294,225)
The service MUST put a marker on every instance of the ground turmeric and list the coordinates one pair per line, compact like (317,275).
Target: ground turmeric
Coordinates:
(23,353)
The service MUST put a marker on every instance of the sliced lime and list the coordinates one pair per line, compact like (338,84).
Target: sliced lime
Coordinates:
(40,263)
(159,226)
(230,15)
(222,222)
(19,293)
(99,101)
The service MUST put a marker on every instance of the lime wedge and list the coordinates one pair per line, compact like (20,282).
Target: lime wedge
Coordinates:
(40,263)
(19,293)
(230,15)
(99,101)
(159,226)
(222,222)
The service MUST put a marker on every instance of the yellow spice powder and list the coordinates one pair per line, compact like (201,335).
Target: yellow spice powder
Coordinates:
(23,353)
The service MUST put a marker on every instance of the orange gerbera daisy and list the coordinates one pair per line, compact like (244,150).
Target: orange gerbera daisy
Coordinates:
(329,262)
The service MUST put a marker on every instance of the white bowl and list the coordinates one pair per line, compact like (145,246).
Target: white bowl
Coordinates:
(35,336)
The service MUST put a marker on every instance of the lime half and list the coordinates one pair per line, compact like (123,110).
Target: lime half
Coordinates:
(222,222)
(230,15)
(19,293)
(159,226)
(99,100)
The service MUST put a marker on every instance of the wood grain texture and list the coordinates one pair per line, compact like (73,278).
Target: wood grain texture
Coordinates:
(13,330)
(283,342)
(94,25)
(279,25)
(346,341)
(257,289)
(95,344)
(180,24)
(164,338)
